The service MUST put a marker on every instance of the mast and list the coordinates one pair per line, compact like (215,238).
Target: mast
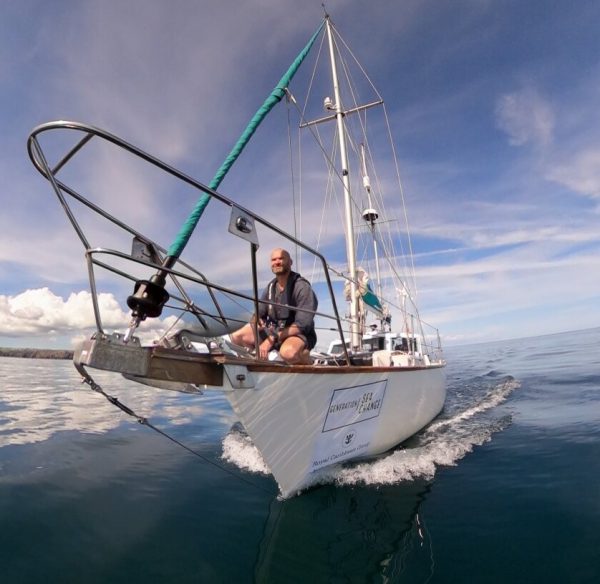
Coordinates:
(350,247)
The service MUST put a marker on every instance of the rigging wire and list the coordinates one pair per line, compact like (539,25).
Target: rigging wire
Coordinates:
(402,198)
(289,98)
(410,254)
(145,422)
(406,283)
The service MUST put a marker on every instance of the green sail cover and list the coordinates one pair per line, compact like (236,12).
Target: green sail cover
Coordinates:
(371,300)
(275,97)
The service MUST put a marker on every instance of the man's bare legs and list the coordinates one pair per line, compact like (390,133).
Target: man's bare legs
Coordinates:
(244,337)
(293,349)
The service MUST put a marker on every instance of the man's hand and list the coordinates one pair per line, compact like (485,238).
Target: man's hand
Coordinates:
(265,348)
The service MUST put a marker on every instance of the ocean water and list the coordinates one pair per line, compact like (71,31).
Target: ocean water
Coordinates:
(504,486)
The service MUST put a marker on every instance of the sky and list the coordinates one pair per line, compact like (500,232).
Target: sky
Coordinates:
(494,105)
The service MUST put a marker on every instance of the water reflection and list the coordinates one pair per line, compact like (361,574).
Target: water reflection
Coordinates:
(42,397)
(341,534)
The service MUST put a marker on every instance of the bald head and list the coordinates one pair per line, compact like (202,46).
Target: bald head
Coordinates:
(281,262)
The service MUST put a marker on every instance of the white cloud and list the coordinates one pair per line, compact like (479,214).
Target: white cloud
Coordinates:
(579,172)
(526,117)
(533,289)
(41,311)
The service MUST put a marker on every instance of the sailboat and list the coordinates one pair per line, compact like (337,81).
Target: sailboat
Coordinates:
(368,391)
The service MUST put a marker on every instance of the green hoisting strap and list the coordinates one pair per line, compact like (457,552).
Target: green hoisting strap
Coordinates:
(275,97)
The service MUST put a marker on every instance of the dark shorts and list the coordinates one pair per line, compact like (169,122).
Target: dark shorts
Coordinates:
(263,335)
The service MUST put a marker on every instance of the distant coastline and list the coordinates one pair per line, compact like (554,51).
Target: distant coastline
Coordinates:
(36,353)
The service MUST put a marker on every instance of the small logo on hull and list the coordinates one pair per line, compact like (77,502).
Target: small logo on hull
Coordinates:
(349,438)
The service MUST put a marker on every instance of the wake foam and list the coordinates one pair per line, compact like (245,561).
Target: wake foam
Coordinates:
(493,398)
(420,462)
(467,422)
(238,449)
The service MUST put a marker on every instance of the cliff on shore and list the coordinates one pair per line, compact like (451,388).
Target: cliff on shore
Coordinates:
(36,353)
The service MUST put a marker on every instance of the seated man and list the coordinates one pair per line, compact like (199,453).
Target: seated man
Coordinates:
(291,332)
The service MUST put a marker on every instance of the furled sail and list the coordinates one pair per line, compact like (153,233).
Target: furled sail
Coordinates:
(365,292)
(275,97)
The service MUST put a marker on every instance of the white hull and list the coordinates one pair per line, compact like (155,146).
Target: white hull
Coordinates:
(302,422)
(302,418)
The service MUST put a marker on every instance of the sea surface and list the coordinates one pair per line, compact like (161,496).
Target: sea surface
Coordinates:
(503,487)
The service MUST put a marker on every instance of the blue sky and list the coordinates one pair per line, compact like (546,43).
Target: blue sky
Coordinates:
(494,106)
